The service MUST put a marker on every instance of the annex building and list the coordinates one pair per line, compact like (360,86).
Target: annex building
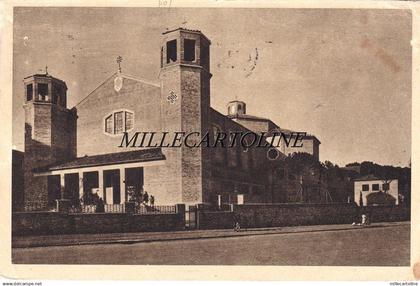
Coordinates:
(69,152)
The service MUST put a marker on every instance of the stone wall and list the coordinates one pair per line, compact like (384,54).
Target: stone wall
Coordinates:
(49,223)
(277,215)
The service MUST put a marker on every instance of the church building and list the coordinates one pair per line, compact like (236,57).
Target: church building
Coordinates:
(71,152)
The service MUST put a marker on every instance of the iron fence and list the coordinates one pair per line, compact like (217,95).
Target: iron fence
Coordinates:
(145,209)
(83,209)
(114,208)
(35,206)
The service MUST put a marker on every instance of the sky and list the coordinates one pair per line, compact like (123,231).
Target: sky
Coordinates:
(343,75)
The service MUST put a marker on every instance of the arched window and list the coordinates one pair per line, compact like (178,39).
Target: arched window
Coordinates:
(119,122)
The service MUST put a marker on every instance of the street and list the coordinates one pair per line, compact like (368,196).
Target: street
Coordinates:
(378,246)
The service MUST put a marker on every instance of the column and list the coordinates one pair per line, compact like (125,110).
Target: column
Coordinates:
(101,183)
(80,185)
(62,184)
(122,185)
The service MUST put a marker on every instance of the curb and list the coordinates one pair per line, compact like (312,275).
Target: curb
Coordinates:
(234,234)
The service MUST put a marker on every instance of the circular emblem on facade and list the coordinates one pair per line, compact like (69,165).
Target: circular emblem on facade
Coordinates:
(172,97)
(118,83)
(272,154)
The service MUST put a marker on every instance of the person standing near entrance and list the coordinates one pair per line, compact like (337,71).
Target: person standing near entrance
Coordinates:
(152,201)
(146,198)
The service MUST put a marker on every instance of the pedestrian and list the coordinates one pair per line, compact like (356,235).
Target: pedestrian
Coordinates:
(100,206)
(152,200)
(146,198)
(237,227)
(364,219)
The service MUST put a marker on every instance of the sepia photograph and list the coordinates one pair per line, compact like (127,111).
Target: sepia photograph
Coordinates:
(211,136)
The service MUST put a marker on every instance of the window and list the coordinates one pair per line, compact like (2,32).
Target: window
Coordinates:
(216,131)
(375,187)
(129,120)
(171,51)
(189,50)
(119,122)
(43,91)
(231,109)
(29,92)
(204,56)
(385,186)
(108,124)
(161,57)
(365,188)
(239,107)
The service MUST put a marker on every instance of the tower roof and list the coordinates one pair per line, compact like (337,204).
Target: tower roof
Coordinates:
(47,76)
(187,30)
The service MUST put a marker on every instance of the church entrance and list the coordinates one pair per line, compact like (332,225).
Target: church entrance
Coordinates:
(134,181)
(112,194)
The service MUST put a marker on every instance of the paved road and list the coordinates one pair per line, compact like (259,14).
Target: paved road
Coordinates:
(368,246)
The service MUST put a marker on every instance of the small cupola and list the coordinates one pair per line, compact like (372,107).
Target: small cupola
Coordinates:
(236,108)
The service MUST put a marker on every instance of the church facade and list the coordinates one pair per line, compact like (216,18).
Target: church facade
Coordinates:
(71,152)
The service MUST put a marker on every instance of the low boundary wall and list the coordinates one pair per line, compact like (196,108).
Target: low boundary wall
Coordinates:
(275,215)
(46,223)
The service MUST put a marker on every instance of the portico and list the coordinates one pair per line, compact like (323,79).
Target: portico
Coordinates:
(114,177)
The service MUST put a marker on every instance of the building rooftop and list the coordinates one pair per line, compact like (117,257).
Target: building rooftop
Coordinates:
(186,30)
(369,177)
(144,155)
(46,75)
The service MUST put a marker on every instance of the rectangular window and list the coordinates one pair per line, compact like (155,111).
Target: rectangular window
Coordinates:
(43,90)
(385,187)
(365,188)
(108,124)
(171,51)
(375,187)
(29,92)
(129,121)
(118,122)
(189,50)
(204,57)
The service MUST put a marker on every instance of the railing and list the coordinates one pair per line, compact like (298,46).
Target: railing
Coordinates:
(83,209)
(35,206)
(120,208)
(144,209)
(114,208)
(107,208)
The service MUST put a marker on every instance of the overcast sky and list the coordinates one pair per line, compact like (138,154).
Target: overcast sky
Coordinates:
(343,75)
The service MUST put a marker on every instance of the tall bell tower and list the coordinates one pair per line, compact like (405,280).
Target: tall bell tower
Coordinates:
(185,77)
(50,134)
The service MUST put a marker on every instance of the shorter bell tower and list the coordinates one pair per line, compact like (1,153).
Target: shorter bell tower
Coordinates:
(50,134)
(236,108)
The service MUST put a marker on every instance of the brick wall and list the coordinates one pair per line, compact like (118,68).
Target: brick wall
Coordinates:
(49,138)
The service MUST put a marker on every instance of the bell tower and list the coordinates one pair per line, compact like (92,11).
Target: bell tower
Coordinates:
(185,77)
(50,134)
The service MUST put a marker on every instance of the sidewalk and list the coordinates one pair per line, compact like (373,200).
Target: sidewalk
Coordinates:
(142,237)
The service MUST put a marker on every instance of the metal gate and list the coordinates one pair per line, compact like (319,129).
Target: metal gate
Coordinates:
(191,217)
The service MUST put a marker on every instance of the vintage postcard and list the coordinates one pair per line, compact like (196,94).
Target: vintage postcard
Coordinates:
(172,140)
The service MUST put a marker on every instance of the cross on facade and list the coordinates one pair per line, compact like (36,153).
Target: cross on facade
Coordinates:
(119,60)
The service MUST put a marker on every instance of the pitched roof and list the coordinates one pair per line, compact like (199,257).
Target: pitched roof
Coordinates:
(123,75)
(144,155)
(247,116)
(368,177)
